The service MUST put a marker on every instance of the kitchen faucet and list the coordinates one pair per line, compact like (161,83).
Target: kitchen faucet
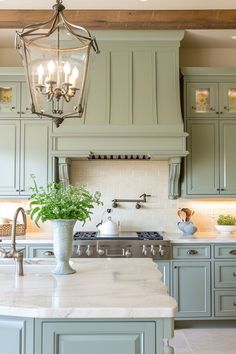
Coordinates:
(13,253)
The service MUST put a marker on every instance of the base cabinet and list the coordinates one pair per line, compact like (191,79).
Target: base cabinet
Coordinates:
(192,289)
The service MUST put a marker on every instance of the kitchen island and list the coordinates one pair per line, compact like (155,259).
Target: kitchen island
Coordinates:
(107,306)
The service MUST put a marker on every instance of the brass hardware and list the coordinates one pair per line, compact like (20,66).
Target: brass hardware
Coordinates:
(175,267)
(233,252)
(221,112)
(192,252)
(222,189)
(48,253)
(234,274)
(218,189)
(13,107)
(217,112)
(212,109)
(234,303)
(194,108)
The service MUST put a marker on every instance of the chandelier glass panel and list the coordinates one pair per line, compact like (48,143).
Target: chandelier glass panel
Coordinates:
(57,59)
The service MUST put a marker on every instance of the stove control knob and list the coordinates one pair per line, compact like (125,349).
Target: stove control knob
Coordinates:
(101,252)
(89,251)
(144,251)
(79,251)
(153,251)
(128,253)
(161,251)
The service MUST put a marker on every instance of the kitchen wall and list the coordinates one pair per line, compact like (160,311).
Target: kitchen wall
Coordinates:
(129,179)
(217,57)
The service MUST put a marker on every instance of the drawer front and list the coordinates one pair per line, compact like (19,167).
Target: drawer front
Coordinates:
(225,251)
(225,274)
(41,251)
(225,303)
(191,252)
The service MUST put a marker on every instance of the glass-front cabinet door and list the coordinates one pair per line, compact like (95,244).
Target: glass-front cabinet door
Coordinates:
(9,99)
(202,100)
(227,97)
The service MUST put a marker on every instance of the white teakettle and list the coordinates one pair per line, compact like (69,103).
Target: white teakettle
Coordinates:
(108,228)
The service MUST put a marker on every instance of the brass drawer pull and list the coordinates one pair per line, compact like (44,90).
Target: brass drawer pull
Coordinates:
(48,253)
(192,252)
(234,274)
(233,252)
(234,303)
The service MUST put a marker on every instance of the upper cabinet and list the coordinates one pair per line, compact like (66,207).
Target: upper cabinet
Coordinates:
(210,120)
(209,99)
(24,150)
(14,97)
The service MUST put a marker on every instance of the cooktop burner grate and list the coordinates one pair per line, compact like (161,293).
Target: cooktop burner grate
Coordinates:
(149,235)
(141,235)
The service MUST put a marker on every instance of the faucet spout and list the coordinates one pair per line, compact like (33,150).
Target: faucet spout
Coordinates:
(13,253)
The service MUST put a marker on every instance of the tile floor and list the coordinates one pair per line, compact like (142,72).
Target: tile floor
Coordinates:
(205,341)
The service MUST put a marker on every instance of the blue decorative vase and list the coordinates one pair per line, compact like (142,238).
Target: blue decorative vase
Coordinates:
(187,227)
(62,245)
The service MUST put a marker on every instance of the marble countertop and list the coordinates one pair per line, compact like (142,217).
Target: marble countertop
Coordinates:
(101,288)
(201,237)
(178,237)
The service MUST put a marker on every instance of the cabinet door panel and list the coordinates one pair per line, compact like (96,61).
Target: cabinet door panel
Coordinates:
(16,336)
(191,288)
(202,100)
(99,338)
(9,99)
(228,157)
(203,160)
(9,157)
(35,144)
(227,98)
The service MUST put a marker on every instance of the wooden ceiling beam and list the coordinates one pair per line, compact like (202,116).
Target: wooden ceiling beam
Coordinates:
(127,19)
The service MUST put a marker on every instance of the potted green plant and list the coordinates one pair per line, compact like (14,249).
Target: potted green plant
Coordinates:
(226,224)
(63,205)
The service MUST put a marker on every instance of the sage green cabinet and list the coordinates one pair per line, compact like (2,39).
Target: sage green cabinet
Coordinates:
(191,287)
(225,274)
(210,120)
(210,166)
(15,101)
(102,337)
(210,99)
(16,335)
(24,150)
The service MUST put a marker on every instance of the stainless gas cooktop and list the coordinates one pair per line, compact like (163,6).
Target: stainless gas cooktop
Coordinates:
(142,244)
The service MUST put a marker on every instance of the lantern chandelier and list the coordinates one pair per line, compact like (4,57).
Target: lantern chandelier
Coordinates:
(57,59)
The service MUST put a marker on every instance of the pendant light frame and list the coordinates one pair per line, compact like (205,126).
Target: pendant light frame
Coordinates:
(27,39)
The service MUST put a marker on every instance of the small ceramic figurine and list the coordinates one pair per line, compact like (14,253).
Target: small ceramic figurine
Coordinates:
(185,225)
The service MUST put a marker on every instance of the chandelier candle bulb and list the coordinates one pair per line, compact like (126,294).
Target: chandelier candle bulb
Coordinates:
(51,70)
(67,71)
(75,76)
(40,74)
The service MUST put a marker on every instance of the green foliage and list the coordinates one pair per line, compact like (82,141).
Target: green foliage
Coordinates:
(226,220)
(59,202)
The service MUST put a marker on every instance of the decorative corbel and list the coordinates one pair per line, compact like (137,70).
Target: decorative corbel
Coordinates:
(64,170)
(174,174)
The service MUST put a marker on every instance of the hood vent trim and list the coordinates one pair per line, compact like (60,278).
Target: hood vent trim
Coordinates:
(93,156)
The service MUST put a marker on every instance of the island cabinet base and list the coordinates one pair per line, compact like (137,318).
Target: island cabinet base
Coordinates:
(102,337)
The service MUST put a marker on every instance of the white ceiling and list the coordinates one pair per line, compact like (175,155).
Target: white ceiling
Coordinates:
(193,38)
(121,4)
